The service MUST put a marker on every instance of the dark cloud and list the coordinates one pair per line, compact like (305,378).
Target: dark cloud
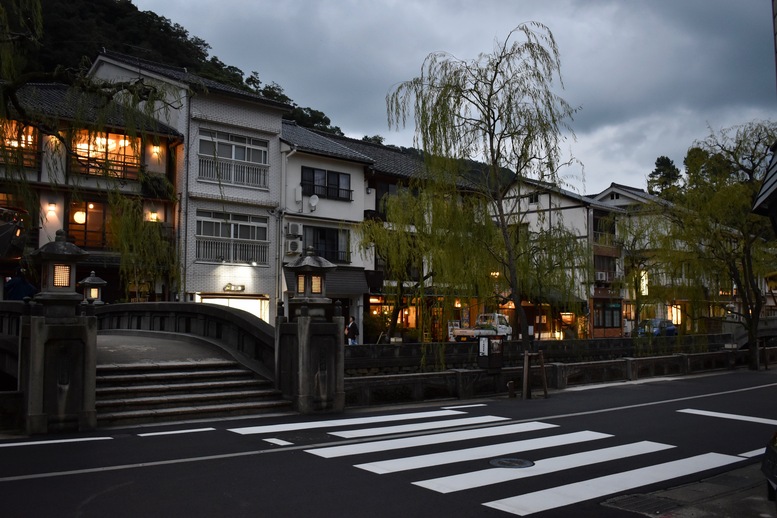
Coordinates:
(650,76)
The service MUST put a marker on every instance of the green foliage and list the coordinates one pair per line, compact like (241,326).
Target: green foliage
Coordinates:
(147,254)
(500,110)
(664,179)
(713,224)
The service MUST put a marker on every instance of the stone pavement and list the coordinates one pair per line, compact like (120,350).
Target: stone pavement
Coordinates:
(115,349)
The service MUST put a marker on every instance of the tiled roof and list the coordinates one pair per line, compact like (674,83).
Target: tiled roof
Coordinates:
(316,143)
(197,83)
(387,160)
(63,103)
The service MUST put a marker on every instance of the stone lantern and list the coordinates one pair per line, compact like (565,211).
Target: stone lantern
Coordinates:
(58,261)
(309,284)
(93,288)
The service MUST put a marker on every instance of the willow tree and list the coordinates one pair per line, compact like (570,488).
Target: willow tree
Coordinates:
(147,255)
(427,245)
(500,109)
(713,223)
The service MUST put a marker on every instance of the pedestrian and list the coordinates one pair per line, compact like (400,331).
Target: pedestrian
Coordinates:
(352,332)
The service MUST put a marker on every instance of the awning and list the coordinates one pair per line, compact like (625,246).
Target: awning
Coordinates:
(342,281)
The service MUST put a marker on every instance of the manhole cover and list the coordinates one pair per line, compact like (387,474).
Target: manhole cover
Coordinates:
(511,463)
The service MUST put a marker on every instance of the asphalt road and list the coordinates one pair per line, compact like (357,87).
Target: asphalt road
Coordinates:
(562,456)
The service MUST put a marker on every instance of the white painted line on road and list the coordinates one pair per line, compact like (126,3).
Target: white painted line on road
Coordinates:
(486,477)
(735,417)
(611,384)
(57,441)
(309,425)
(176,432)
(415,427)
(560,496)
(425,440)
(753,453)
(279,442)
(462,406)
(482,452)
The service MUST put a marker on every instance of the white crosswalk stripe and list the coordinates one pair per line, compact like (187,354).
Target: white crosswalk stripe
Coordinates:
(560,496)
(425,440)
(486,477)
(482,452)
(416,427)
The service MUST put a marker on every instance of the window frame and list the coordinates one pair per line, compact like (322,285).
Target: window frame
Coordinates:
(325,183)
(20,147)
(221,140)
(93,154)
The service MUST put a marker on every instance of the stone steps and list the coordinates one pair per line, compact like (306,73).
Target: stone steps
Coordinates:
(147,392)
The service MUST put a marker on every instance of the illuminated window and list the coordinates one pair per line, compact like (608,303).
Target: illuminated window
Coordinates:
(300,284)
(315,284)
(109,154)
(61,275)
(20,144)
(87,224)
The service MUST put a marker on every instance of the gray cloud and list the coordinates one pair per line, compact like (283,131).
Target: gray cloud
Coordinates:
(650,76)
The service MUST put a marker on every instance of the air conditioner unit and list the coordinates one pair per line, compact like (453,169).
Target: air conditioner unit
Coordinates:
(601,276)
(293,246)
(295,230)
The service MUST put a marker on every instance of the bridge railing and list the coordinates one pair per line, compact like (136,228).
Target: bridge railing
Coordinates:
(249,338)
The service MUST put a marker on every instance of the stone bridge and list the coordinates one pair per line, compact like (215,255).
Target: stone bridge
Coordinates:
(247,338)
(767,328)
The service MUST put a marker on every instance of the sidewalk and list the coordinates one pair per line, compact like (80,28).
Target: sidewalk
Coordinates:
(740,493)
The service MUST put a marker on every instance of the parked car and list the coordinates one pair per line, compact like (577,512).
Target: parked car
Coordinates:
(656,327)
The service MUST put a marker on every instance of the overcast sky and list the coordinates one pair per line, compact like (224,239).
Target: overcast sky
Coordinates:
(649,76)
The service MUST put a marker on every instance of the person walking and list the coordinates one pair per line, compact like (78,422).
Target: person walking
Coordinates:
(352,332)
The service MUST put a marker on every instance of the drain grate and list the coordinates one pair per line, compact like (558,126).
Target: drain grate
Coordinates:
(511,463)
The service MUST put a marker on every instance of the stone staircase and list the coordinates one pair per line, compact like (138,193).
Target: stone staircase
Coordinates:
(168,391)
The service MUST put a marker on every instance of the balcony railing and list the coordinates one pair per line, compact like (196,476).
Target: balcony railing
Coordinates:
(212,249)
(232,172)
(604,238)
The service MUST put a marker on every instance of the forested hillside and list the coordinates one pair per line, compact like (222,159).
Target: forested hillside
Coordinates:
(75,31)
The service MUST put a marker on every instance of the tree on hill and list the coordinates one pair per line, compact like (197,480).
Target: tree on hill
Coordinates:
(72,33)
(665,178)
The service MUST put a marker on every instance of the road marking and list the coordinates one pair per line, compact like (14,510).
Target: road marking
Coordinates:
(734,417)
(57,441)
(176,432)
(416,427)
(462,406)
(481,452)
(486,477)
(309,425)
(279,442)
(560,496)
(425,440)
(753,453)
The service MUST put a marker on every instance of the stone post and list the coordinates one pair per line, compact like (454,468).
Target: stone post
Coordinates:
(58,347)
(310,356)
